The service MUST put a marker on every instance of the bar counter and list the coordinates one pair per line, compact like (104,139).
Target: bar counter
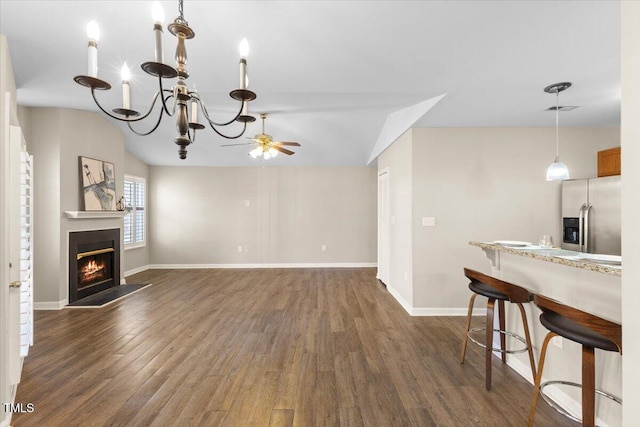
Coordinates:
(572,278)
(555,255)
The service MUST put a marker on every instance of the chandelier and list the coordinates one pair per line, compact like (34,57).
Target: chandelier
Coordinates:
(174,101)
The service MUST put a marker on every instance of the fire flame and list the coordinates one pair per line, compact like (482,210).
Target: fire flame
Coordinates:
(92,271)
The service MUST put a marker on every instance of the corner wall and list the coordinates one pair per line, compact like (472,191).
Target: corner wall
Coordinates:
(56,137)
(397,160)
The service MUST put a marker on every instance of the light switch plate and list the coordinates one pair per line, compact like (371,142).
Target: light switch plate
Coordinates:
(429,221)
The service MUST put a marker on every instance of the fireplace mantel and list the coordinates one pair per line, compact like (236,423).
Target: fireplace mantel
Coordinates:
(94,214)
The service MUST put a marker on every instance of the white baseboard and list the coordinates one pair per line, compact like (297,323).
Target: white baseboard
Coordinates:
(434,311)
(447,311)
(50,305)
(274,265)
(136,270)
(400,300)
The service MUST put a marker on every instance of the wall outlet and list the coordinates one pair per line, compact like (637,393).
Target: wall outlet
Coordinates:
(247,203)
(323,248)
(239,248)
(557,341)
(246,248)
(429,221)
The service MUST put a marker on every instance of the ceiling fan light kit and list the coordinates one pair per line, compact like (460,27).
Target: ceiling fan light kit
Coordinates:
(557,171)
(174,101)
(265,146)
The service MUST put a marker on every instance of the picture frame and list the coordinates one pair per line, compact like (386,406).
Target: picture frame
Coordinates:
(98,184)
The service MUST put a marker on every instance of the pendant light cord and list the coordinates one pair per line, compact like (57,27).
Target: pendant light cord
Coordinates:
(557,113)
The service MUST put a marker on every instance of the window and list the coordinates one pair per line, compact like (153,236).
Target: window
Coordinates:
(135,220)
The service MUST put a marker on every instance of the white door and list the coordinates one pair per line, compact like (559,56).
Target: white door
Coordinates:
(10,261)
(15,279)
(384,227)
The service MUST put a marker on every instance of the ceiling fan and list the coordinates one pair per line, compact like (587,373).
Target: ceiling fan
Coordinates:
(265,146)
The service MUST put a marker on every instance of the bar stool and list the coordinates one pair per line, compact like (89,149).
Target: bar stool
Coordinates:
(495,289)
(586,329)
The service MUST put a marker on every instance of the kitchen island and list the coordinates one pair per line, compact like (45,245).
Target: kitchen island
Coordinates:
(587,282)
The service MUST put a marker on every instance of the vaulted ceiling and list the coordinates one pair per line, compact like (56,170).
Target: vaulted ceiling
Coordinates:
(330,73)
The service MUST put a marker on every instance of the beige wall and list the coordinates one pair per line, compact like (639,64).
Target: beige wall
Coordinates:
(487,184)
(479,184)
(631,209)
(56,137)
(396,160)
(278,215)
(136,258)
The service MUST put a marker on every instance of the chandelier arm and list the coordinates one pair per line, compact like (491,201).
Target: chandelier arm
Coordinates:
(137,119)
(229,137)
(164,100)
(211,122)
(152,130)
(164,103)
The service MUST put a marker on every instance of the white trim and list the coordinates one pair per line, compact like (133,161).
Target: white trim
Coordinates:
(400,300)
(446,311)
(434,311)
(94,214)
(274,265)
(134,246)
(523,369)
(50,305)
(136,270)
(134,212)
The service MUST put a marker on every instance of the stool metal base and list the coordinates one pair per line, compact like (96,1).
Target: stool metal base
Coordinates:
(563,411)
(507,333)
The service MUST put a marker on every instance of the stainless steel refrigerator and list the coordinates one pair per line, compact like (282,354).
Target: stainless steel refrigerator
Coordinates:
(591,215)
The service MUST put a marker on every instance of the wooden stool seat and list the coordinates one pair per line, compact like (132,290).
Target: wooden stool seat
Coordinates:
(487,291)
(583,328)
(501,291)
(575,332)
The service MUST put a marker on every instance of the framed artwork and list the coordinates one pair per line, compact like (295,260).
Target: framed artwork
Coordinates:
(98,185)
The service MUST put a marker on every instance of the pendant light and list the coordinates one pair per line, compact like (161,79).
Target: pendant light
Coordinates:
(557,171)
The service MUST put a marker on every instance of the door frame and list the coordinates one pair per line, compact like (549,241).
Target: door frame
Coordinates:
(384,227)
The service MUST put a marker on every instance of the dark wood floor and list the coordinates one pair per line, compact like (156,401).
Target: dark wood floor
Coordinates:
(276,347)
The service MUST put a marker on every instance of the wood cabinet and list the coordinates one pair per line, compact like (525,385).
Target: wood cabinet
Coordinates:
(609,162)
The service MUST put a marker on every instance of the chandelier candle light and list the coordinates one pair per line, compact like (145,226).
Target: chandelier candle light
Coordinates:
(186,124)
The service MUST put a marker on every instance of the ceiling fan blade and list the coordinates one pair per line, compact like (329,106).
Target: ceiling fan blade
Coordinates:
(233,145)
(283,150)
(293,144)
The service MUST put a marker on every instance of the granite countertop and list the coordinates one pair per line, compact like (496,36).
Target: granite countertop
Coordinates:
(555,255)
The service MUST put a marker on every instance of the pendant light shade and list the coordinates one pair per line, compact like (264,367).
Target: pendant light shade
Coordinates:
(557,171)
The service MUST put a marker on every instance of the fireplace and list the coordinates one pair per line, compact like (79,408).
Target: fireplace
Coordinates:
(94,262)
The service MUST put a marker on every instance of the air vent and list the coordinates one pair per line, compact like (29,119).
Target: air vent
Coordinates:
(563,108)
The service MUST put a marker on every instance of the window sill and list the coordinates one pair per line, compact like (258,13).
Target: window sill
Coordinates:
(134,246)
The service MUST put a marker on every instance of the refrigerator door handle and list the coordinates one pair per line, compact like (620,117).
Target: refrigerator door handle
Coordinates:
(581,228)
(586,228)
